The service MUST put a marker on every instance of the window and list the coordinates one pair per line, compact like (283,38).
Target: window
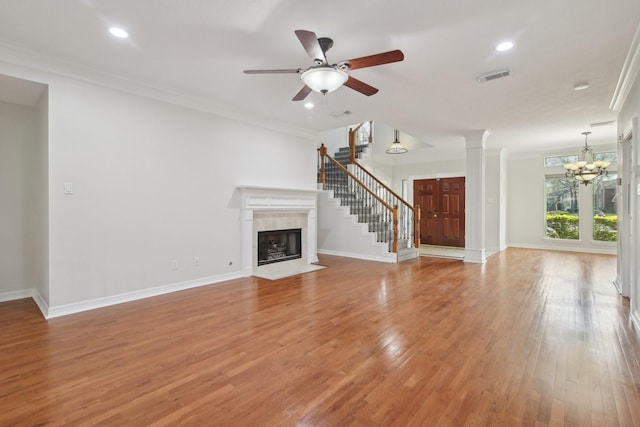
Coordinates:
(562,219)
(605,217)
(551,161)
(609,156)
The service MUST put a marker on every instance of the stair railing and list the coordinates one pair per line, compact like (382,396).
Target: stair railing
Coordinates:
(409,215)
(368,206)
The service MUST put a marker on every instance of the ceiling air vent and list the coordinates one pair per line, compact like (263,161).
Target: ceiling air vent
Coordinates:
(340,113)
(487,77)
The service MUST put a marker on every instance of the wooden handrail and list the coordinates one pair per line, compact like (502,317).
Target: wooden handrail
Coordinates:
(384,185)
(345,170)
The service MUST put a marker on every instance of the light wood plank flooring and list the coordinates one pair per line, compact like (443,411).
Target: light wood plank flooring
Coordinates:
(531,338)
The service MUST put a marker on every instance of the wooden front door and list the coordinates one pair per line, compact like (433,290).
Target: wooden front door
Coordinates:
(441,201)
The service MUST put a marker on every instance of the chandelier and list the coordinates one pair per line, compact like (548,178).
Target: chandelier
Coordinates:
(586,169)
(396,147)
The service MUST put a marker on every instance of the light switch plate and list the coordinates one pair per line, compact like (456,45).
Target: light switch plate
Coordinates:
(68,188)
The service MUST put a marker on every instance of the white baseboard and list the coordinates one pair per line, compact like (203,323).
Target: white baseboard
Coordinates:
(603,250)
(77,307)
(15,295)
(635,319)
(618,284)
(392,258)
(476,256)
(41,303)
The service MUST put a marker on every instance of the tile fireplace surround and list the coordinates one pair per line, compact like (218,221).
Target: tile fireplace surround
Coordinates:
(265,208)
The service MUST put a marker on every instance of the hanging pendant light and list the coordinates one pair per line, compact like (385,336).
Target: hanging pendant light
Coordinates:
(586,169)
(396,147)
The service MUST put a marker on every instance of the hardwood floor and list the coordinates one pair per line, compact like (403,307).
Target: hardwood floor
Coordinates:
(531,338)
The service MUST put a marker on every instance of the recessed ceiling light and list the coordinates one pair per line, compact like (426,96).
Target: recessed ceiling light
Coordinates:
(118,32)
(580,86)
(504,46)
(308,105)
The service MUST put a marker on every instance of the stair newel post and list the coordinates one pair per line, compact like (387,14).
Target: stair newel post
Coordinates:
(395,229)
(417,215)
(352,146)
(322,152)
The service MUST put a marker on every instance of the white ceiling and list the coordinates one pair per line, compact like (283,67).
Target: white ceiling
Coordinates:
(199,49)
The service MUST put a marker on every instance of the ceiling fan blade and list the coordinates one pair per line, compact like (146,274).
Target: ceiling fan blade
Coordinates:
(360,86)
(306,90)
(283,71)
(372,60)
(311,45)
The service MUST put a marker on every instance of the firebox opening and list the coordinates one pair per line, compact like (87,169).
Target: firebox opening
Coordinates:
(279,245)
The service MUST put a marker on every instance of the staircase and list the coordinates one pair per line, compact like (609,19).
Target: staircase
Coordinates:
(370,204)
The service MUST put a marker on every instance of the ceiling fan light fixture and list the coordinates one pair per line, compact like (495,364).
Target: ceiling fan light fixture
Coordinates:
(324,78)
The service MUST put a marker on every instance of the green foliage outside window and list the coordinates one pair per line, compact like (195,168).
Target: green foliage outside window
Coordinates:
(562,226)
(605,229)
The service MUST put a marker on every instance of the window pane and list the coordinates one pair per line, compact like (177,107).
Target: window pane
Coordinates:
(561,195)
(605,213)
(610,156)
(559,160)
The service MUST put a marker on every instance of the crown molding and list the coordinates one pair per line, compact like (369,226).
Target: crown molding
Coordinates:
(628,75)
(41,68)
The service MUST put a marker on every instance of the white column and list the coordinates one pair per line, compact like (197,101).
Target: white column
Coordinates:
(312,236)
(247,242)
(634,279)
(475,250)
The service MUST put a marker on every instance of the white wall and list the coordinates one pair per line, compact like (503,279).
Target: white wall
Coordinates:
(333,139)
(152,183)
(16,137)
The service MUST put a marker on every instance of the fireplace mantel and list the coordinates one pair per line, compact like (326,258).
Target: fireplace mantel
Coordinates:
(282,206)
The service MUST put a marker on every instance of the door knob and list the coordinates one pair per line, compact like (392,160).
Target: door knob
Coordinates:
(435,216)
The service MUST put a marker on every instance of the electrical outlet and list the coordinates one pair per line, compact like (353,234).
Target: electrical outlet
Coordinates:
(174,264)
(196,261)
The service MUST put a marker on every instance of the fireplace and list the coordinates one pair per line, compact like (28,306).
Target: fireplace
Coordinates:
(278,210)
(279,245)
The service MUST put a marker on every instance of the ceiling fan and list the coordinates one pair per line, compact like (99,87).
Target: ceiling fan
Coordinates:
(324,77)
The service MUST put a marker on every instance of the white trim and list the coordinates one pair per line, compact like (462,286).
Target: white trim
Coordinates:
(628,74)
(635,319)
(34,61)
(16,295)
(41,303)
(603,251)
(392,258)
(476,256)
(257,199)
(618,283)
(77,307)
